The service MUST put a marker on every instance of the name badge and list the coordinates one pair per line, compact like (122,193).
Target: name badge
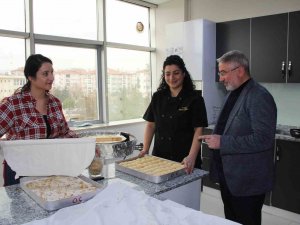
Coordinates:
(183,108)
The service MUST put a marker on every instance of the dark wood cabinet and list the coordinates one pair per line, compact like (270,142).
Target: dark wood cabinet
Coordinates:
(205,166)
(269,48)
(275,48)
(286,192)
(293,65)
(271,44)
(233,35)
(205,156)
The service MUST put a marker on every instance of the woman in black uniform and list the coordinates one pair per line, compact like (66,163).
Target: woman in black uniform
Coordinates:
(175,117)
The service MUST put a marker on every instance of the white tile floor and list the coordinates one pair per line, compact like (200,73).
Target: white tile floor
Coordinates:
(211,203)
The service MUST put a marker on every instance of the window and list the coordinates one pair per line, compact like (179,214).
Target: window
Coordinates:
(102,66)
(68,18)
(128,69)
(129,83)
(12,15)
(74,72)
(12,58)
(122,21)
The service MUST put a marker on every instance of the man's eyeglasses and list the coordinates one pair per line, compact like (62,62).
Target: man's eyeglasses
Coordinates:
(223,73)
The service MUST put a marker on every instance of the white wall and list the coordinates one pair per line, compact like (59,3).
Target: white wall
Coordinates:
(170,12)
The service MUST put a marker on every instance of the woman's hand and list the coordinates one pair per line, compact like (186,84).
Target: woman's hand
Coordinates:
(142,153)
(189,163)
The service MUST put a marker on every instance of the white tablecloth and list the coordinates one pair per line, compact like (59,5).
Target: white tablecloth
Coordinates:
(120,204)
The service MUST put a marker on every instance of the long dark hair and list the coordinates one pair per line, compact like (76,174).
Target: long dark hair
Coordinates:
(178,61)
(32,65)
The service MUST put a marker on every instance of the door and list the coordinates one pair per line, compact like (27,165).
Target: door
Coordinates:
(286,192)
(294,48)
(269,48)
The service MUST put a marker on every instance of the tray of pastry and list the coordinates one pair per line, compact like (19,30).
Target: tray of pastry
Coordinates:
(56,192)
(151,168)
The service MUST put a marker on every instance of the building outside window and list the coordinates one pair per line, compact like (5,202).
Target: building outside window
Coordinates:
(102,70)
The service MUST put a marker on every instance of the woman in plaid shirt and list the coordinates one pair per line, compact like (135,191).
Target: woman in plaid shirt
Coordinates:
(32,112)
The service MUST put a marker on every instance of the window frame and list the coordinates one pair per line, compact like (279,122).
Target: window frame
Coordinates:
(31,39)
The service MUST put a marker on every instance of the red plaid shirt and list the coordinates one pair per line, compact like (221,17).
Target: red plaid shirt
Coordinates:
(19,118)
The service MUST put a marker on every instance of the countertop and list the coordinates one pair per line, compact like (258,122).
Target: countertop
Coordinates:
(282,132)
(16,207)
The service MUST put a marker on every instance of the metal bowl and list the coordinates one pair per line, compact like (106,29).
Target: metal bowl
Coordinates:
(114,150)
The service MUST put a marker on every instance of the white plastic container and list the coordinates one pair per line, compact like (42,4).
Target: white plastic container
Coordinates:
(46,157)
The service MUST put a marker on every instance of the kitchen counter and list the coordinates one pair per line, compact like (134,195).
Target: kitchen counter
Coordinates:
(16,207)
(287,137)
(282,132)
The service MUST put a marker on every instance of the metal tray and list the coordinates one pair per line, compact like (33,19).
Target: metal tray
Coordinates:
(144,176)
(58,204)
(115,151)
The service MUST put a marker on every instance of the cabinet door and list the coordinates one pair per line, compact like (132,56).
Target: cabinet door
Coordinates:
(286,192)
(269,48)
(233,35)
(294,47)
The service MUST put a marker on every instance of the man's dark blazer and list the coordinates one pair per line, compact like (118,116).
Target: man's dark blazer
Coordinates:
(247,144)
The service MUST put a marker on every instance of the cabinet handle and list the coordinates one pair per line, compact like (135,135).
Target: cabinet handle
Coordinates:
(283,69)
(290,68)
(277,153)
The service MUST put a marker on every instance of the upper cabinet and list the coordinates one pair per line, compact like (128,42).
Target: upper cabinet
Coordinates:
(269,48)
(233,35)
(293,62)
(270,42)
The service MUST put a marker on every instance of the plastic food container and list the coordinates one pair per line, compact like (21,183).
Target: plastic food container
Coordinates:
(46,157)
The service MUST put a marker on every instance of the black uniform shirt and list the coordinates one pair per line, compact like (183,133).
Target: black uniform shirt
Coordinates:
(175,119)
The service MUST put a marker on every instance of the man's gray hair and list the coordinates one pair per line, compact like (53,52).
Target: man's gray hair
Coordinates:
(236,57)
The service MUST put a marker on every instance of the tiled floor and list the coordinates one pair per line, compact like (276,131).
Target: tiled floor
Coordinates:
(211,203)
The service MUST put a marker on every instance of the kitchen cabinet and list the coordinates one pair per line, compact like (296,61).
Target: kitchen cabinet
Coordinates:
(233,35)
(286,192)
(269,48)
(275,49)
(294,48)
(205,156)
(271,44)
(205,153)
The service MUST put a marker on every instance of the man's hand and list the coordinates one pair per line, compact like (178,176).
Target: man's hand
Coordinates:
(213,141)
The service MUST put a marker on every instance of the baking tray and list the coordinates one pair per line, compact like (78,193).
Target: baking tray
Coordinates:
(144,176)
(58,204)
(115,151)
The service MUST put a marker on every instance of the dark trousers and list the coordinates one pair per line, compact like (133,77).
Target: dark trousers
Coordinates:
(242,209)
(9,175)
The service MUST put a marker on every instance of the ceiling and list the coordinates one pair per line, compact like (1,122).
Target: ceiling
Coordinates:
(157,2)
